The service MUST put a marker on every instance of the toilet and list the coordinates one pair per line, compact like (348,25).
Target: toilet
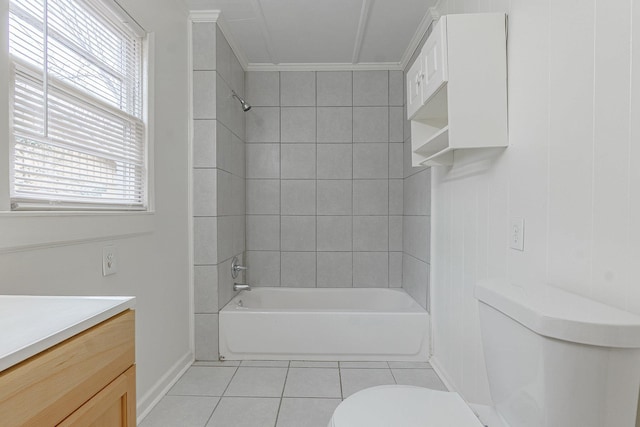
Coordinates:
(553,358)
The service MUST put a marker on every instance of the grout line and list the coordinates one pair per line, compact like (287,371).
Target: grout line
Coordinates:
(223,392)
(340,379)
(282,394)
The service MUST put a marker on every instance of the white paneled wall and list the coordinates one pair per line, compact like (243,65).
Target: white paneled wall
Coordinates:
(570,170)
(324,178)
(218,179)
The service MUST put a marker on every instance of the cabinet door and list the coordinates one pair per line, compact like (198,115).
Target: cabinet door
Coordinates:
(414,87)
(113,406)
(434,60)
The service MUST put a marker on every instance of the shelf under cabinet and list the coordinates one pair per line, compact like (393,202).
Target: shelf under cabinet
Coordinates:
(435,150)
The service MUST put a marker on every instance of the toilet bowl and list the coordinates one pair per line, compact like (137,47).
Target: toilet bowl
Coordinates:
(553,359)
(405,406)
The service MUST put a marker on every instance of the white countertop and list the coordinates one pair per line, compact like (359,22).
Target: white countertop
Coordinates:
(31,324)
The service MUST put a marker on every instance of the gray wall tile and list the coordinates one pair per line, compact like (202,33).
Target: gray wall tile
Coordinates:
(371,233)
(264,268)
(298,197)
(205,288)
(335,161)
(371,197)
(334,233)
(298,161)
(263,124)
(396,88)
(262,88)
(263,232)
(417,187)
(334,88)
(416,236)
(396,124)
(206,336)
(204,95)
(263,160)
(335,124)
(370,161)
(370,124)
(395,233)
(298,233)
(225,281)
(370,269)
(298,269)
(334,197)
(370,88)
(395,161)
(205,235)
(204,192)
(298,88)
(415,279)
(396,187)
(204,143)
(395,269)
(204,45)
(263,196)
(298,124)
(335,269)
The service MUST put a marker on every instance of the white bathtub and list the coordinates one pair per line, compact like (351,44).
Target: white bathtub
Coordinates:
(324,324)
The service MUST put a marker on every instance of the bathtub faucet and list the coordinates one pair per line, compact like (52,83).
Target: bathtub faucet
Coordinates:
(241,287)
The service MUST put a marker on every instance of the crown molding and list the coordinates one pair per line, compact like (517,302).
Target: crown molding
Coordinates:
(432,15)
(204,15)
(217,17)
(323,66)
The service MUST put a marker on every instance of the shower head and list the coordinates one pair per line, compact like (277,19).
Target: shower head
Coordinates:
(245,107)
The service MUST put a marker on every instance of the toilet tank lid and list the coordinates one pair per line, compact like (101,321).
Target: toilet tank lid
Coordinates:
(556,313)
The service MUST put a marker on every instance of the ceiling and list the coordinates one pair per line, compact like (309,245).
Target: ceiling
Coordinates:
(321,34)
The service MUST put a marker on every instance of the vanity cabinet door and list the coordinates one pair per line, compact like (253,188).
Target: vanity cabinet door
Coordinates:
(113,406)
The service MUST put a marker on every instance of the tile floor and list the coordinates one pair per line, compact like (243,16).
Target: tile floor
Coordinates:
(274,393)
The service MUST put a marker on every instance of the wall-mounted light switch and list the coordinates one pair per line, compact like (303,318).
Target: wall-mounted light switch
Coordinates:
(516,233)
(109,260)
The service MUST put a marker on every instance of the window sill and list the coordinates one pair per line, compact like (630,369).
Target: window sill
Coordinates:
(31,230)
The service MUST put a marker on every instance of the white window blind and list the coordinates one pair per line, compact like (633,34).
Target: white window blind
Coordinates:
(78,135)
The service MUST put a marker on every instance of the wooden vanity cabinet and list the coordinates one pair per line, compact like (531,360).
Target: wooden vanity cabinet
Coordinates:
(88,380)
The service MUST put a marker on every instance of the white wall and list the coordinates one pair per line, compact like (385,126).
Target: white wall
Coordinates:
(570,170)
(62,254)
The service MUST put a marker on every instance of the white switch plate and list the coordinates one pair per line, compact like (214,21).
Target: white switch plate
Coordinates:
(516,233)
(109,261)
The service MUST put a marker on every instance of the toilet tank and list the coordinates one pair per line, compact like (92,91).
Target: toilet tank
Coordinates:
(556,359)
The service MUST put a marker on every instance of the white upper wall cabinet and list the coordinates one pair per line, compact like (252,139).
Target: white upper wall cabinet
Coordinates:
(457,88)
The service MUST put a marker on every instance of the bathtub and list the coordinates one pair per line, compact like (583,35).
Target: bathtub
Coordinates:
(324,324)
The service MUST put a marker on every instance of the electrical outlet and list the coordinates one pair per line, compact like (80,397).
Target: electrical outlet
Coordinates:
(516,234)
(109,261)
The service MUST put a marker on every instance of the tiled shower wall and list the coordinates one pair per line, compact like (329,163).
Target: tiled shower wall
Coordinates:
(218,179)
(324,169)
(416,230)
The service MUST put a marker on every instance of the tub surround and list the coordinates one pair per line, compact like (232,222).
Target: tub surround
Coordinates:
(218,179)
(324,325)
(324,178)
(31,324)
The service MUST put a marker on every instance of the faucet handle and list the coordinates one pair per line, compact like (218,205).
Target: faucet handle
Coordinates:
(236,267)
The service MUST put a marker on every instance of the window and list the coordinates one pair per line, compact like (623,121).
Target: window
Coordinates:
(78,138)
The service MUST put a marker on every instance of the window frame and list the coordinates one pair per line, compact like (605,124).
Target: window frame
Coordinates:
(109,11)
(34,229)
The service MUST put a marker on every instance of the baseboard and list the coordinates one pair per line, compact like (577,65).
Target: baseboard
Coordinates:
(162,386)
(441,373)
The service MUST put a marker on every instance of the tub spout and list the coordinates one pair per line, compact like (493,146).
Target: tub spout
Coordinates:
(241,287)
